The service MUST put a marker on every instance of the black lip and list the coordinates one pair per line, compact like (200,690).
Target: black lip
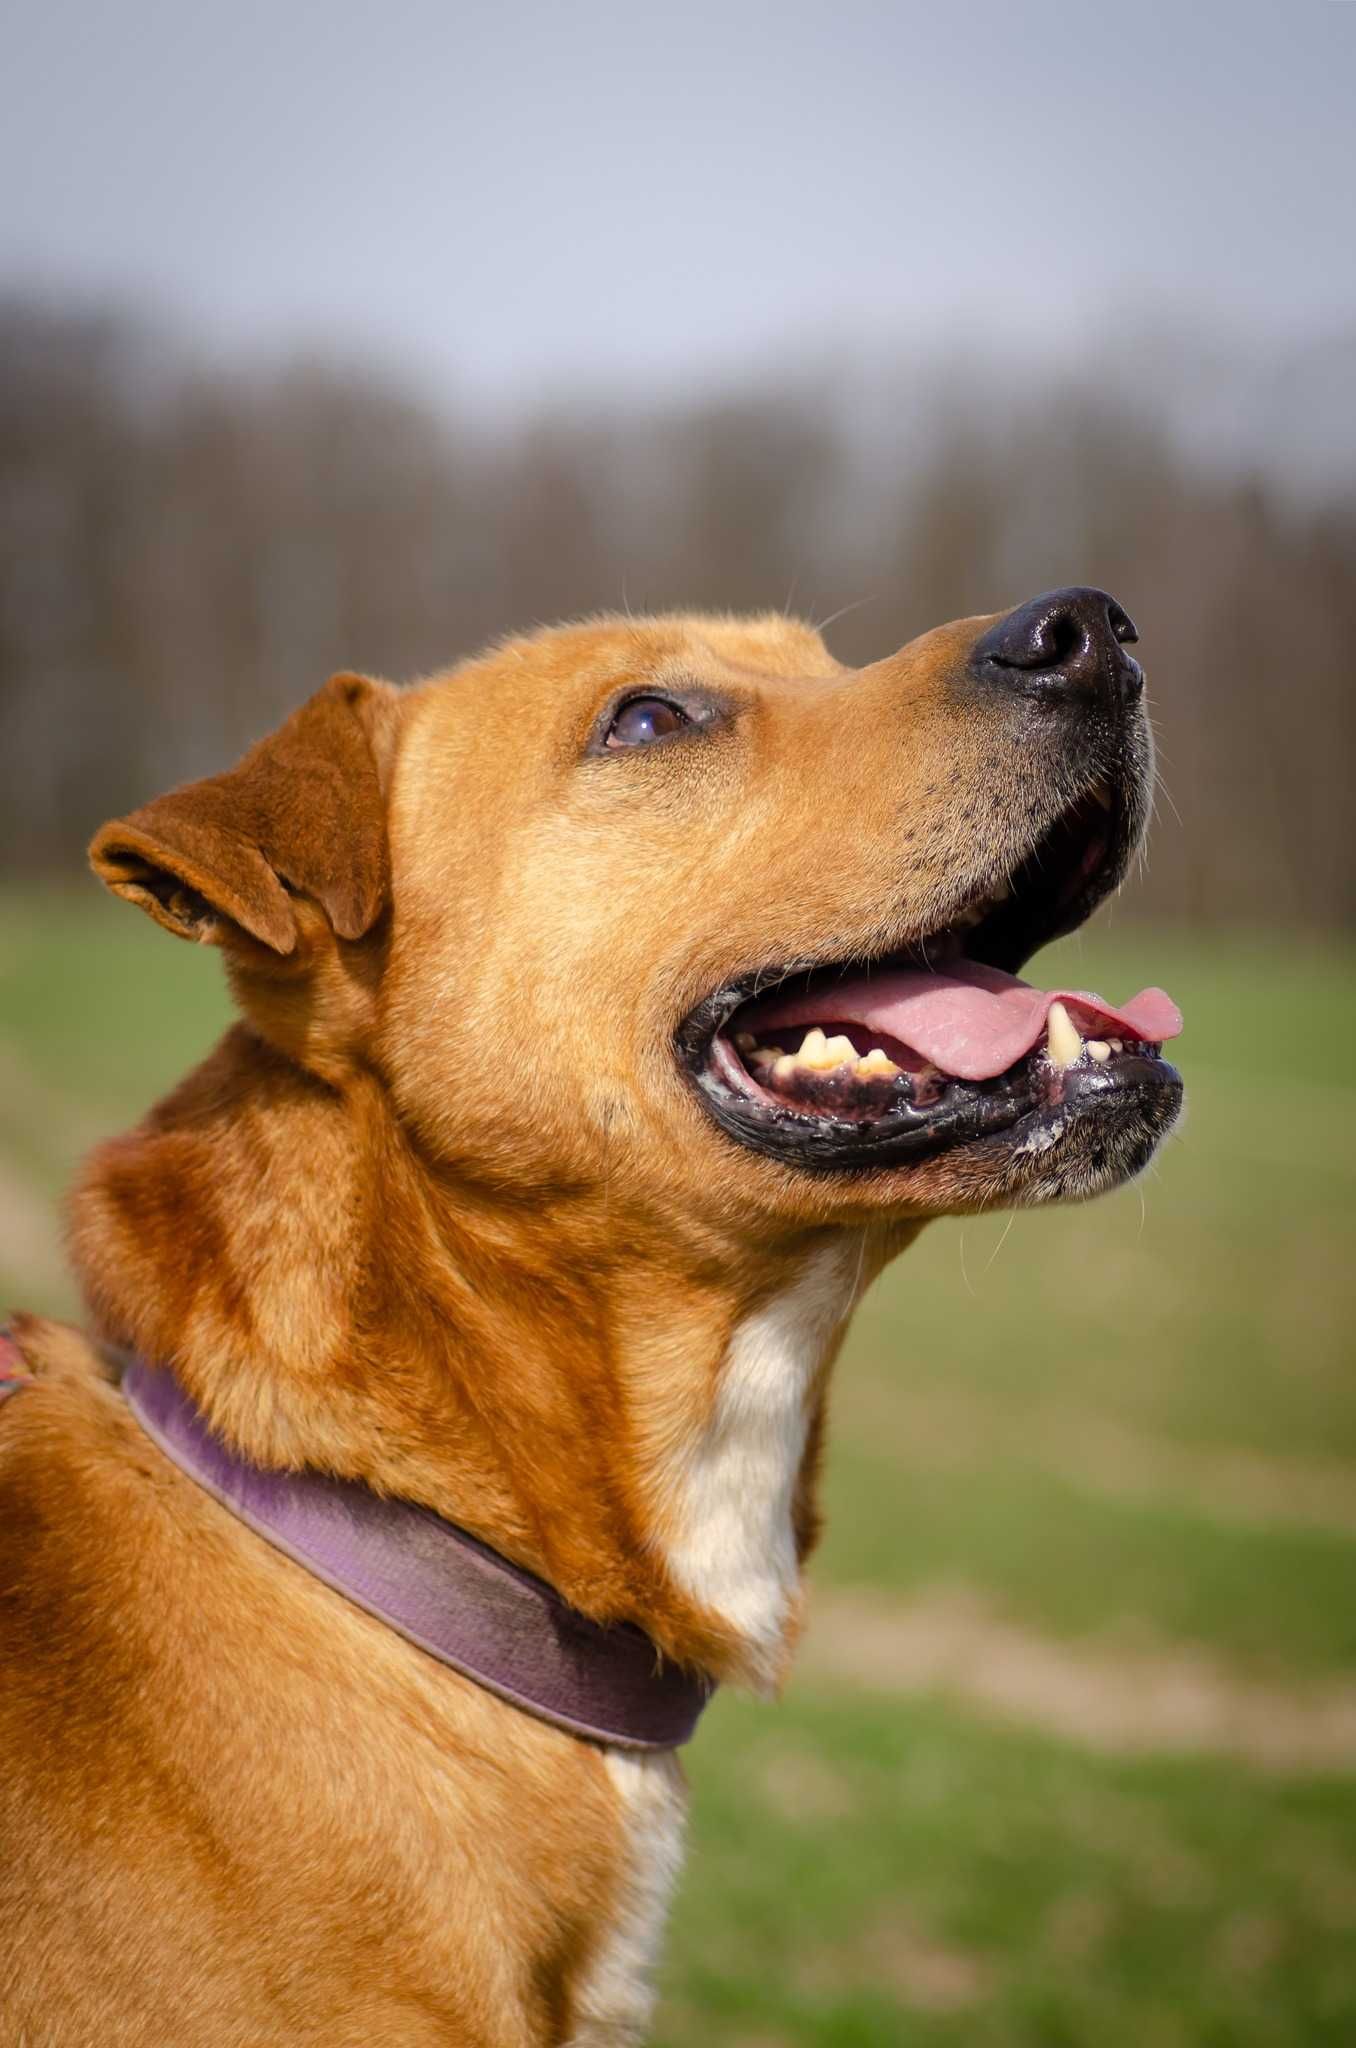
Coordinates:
(1050,898)
(1136,1085)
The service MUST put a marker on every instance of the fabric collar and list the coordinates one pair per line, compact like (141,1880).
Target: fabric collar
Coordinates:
(438,1586)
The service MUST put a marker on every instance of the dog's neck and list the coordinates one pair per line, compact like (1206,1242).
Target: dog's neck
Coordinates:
(633,1417)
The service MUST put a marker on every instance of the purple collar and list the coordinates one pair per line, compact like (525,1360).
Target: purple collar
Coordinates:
(438,1586)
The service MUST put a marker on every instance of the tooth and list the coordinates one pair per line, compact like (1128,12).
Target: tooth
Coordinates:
(812,1046)
(767,1055)
(745,1041)
(785,1068)
(821,1054)
(1062,1037)
(876,1063)
(1116,1044)
(1100,1050)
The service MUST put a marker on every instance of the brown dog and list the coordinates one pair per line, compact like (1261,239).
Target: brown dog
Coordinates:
(614,1007)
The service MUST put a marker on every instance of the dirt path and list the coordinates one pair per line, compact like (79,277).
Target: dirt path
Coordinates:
(1130,1702)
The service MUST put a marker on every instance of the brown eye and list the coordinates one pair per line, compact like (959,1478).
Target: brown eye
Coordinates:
(645,719)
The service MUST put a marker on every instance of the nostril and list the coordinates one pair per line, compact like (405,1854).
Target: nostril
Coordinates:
(1062,638)
(1066,642)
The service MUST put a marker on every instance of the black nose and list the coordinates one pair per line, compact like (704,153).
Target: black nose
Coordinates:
(1067,644)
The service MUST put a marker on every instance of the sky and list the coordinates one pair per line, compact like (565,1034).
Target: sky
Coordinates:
(518,198)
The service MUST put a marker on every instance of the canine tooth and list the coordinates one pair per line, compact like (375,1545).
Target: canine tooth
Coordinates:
(1062,1037)
(875,1063)
(745,1041)
(1100,1050)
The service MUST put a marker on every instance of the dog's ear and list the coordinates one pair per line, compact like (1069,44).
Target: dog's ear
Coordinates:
(302,813)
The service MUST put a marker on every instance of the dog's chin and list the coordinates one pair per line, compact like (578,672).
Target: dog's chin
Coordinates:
(1102,1130)
(1080,1108)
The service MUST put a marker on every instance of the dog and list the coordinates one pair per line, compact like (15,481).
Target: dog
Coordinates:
(613,1007)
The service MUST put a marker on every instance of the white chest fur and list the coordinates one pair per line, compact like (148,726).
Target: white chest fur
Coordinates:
(730,1493)
(731,1489)
(617,1999)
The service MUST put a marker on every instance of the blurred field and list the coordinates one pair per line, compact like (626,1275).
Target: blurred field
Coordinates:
(1071,1756)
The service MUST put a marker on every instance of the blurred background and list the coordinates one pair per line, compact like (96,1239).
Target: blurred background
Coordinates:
(352,336)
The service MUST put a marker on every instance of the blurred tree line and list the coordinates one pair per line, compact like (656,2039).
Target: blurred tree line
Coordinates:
(185,554)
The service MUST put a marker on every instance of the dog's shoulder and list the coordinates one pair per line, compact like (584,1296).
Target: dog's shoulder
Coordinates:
(36,1349)
(78,1521)
(62,1424)
(53,1380)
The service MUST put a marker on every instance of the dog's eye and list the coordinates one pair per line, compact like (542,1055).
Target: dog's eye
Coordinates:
(646,719)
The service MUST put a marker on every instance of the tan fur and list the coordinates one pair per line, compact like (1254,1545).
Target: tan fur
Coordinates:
(441,1213)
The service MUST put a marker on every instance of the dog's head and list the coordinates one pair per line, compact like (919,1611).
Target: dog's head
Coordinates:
(683,910)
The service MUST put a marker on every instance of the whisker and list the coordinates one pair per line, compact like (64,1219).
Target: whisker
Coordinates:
(1007,1228)
(965,1276)
(832,620)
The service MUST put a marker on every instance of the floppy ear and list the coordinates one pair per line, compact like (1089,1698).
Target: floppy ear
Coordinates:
(303,812)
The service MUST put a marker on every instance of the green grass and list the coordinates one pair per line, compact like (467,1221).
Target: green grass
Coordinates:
(103,1005)
(1074,1563)
(867,1873)
(1128,1429)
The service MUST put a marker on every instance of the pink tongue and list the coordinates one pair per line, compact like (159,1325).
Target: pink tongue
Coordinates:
(971,1021)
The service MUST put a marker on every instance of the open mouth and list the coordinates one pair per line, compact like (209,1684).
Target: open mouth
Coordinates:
(872,1063)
